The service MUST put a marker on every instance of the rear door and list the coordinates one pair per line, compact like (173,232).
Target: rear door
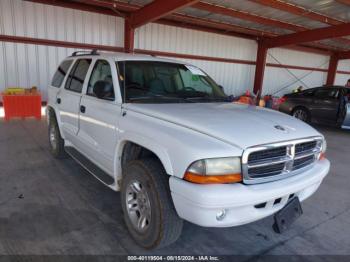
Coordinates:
(98,122)
(68,98)
(326,104)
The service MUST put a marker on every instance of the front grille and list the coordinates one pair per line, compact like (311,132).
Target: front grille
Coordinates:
(279,160)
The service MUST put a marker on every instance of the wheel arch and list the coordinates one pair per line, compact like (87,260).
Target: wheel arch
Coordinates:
(132,149)
(51,112)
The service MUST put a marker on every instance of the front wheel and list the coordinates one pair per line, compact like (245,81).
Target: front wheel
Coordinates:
(301,114)
(148,209)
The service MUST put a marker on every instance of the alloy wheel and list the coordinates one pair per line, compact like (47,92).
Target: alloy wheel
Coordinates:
(138,206)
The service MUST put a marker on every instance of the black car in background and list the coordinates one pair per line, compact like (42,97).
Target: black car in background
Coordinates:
(324,105)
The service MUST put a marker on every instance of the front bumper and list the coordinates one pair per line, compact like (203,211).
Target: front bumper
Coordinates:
(200,204)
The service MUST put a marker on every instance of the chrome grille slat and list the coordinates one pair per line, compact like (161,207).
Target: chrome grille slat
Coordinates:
(279,160)
(305,154)
(268,170)
(273,161)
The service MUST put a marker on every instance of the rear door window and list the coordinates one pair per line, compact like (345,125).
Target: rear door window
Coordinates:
(77,76)
(61,73)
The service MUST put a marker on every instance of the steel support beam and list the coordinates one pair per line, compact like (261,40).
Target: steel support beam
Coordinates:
(344,55)
(332,69)
(260,69)
(45,42)
(345,2)
(309,36)
(156,10)
(57,43)
(129,33)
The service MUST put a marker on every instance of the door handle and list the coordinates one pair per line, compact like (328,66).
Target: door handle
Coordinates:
(58,100)
(82,109)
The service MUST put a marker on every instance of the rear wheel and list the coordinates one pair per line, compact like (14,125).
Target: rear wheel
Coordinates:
(55,139)
(301,114)
(148,209)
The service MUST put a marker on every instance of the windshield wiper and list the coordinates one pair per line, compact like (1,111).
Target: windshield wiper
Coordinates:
(162,97)
(209,99)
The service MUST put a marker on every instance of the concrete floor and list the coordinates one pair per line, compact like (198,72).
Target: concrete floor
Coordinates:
(50,206)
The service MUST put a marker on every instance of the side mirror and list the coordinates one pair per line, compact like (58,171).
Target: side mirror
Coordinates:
(103,90)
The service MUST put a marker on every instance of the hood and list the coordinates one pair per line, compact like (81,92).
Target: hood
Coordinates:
(237,124)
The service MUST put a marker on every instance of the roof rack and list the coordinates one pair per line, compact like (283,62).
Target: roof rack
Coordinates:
(80,53)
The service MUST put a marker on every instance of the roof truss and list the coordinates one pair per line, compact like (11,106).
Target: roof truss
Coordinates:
(166,14)
(156,10)
(309,36)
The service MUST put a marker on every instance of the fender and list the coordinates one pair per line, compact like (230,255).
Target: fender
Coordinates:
(146,142)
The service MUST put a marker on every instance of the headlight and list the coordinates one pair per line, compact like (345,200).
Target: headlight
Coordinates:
(215,171)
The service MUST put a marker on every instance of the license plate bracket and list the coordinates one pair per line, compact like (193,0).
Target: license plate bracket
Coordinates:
(287,215)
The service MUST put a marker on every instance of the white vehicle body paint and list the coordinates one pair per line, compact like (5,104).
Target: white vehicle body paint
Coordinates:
(180,134)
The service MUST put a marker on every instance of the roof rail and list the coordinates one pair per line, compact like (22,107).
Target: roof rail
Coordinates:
(80,53)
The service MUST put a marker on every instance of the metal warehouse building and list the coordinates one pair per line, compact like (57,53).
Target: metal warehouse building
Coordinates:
(36,35)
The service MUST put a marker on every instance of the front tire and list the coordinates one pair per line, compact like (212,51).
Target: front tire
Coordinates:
(148,209)
(301,114)
(55,139)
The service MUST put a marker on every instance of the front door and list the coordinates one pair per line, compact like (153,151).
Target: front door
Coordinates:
(98,122)
(68,99)
(326,105)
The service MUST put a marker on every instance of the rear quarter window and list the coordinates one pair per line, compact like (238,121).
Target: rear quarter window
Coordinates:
(61,72)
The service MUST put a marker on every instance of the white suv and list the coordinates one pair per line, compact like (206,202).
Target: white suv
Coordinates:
(164,134)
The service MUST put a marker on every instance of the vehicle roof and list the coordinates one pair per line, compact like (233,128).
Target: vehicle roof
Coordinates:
(315,88)
(119,56)
(325,86)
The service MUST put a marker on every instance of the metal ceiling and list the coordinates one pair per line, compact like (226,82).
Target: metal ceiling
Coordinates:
(330,8)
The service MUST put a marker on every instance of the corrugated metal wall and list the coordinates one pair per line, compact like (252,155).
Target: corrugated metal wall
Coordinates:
(279,81)
(341,79)
(33,65)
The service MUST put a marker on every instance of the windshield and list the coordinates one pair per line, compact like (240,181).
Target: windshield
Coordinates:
(162,82)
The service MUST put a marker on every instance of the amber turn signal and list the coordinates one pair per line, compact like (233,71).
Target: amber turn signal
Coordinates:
(207,179)
(322,156)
